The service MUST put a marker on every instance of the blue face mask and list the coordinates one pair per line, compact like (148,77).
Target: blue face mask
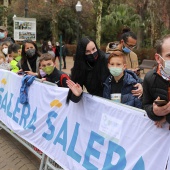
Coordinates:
(126,50)
(2,35)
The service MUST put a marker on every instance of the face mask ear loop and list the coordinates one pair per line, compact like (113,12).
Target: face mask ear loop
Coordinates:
(162,59)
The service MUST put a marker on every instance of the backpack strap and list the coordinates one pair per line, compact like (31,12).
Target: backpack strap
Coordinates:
(63,76)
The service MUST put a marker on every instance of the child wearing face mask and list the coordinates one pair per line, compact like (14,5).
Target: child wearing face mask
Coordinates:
(14,51)
(49,72)
(5,49)
(3,64)
(120,83)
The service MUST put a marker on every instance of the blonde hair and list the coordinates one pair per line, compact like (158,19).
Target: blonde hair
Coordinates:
(117,53)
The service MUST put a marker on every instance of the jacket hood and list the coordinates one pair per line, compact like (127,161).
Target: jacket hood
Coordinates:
(111,46)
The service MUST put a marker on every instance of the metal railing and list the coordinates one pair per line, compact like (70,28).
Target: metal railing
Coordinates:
(46,163)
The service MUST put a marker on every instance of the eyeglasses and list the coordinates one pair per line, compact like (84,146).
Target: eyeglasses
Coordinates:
(130,46)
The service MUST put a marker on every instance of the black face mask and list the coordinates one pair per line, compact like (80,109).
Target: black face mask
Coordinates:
(92,57)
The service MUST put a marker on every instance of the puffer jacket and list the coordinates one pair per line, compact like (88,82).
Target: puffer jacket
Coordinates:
(153,86)
(129,80)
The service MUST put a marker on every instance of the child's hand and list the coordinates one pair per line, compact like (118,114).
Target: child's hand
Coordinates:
(31,73)
(74,87)
(43,79)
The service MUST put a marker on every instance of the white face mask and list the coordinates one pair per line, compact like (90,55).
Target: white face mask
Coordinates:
(166,67)
(5,51)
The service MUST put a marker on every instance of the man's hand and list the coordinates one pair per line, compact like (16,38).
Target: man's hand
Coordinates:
(74,87)
(161,110)
(139,91)
(160,123)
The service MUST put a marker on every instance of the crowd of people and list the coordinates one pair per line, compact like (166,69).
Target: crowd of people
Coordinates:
(26,59)
(113,74)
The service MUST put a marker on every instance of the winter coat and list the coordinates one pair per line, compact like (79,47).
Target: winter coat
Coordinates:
(129,80)
(153,86)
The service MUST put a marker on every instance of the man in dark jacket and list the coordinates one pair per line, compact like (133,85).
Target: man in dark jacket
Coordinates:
(156,84)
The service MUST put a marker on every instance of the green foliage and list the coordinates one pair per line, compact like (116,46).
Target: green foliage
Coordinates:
(1,13)
(119,16)
(67,24)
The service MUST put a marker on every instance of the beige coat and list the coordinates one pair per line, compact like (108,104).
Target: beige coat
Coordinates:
(131,58)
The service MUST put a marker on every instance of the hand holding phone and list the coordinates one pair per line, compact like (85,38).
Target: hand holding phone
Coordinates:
(21,73)
(160,102)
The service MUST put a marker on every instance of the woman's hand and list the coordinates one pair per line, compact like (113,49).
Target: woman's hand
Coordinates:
(139,91)
(74,87)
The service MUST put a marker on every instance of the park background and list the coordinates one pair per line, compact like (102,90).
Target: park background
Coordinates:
(103,20)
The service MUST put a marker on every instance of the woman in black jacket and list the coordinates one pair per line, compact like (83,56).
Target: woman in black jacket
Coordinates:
(89,70)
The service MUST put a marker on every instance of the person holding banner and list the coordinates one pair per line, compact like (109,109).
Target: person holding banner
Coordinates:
(156,85)
(29,62)
(89,70)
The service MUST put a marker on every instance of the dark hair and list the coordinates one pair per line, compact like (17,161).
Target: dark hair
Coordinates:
(44,47)
(79,70)
(23,54)
(125,29)
(13,48)
(159,43)
(5,43)
(128,34)
(46,57)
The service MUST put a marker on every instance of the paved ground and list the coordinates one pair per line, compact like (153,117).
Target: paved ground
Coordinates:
(14,156)
(69,64)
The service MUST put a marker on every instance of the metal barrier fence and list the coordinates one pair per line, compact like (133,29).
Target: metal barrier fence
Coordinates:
(45,162)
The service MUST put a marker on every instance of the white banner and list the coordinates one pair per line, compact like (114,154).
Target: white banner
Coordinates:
(92,134)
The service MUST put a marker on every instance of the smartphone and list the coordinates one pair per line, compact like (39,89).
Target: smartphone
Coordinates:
(21,73)
(160,102)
